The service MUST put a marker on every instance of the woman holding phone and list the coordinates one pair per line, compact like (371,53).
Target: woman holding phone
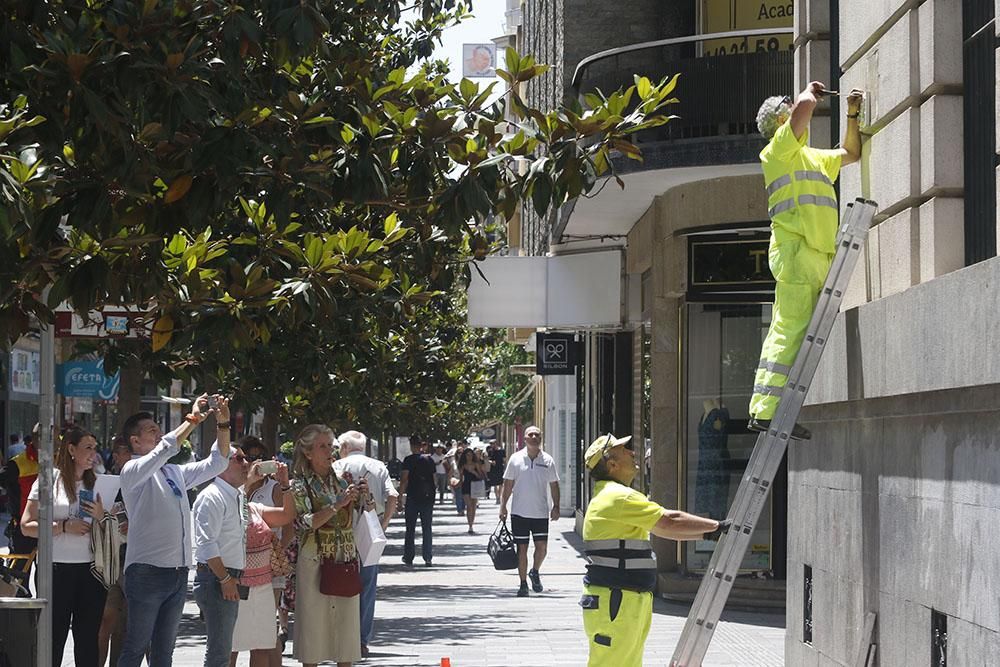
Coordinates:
(263,487)
(77,596)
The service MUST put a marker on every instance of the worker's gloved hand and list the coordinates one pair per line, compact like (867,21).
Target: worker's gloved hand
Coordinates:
(717,533)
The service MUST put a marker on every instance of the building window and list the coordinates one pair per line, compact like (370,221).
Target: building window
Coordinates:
(979,75)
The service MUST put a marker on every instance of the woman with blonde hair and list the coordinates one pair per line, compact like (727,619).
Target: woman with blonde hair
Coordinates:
(327,626)
(77,595)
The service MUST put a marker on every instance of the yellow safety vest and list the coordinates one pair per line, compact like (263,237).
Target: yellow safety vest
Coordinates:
(800,196)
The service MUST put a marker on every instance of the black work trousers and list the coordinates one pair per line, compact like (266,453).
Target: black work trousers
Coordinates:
(77,602)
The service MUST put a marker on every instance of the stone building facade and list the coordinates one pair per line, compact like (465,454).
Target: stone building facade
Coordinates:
(893,504)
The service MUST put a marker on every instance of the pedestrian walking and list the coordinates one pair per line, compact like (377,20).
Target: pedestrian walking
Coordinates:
(384,496)
(255,629)
(498,464)
(440,472)
(327,627)
(77,595)
(531,477)
(417,487)
(455,475)
(474,468)
(618,588)
(160,555)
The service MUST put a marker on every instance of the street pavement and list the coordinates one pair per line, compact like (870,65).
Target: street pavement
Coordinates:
(463,609)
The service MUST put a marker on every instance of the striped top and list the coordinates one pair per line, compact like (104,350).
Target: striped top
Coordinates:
(258,568)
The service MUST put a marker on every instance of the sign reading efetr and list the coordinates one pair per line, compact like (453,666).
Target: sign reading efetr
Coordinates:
(555,354)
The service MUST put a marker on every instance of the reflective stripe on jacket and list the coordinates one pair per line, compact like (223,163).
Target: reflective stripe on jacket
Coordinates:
(801,199)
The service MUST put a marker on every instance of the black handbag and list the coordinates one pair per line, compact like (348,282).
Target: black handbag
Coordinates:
(501,548)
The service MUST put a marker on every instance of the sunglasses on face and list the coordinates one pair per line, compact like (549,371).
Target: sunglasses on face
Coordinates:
(239,458)
(253,458)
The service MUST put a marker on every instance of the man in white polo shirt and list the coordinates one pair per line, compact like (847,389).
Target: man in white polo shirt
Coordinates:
(532,478)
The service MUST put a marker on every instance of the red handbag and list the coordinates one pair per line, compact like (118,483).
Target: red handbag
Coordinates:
(342,580)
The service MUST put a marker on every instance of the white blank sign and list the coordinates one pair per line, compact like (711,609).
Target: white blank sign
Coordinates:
(583,290)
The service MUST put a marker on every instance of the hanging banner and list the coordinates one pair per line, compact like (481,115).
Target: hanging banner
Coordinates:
(86,379)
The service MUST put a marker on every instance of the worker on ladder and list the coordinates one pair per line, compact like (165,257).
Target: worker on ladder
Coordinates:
(621,572)
(802,205)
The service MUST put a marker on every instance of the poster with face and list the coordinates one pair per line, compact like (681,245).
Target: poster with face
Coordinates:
(479,61)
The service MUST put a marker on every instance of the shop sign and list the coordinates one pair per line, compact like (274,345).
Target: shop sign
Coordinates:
(86,379)
(555,354)
(106,323)
(24,377)
(732,15)
(729,264)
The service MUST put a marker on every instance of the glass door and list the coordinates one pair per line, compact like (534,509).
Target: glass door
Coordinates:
(722,350)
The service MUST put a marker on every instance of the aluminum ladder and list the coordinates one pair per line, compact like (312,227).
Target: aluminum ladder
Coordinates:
(771,446)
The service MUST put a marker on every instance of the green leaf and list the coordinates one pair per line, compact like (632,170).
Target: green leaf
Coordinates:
(347,134)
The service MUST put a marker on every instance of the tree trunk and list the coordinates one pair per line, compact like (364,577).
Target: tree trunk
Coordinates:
(269,426)
(129,391)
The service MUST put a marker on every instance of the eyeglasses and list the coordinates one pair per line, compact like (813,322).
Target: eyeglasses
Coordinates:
(254,459)
(532,435)
(239,458)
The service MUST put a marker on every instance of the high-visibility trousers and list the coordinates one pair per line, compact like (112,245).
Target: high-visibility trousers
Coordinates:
(616,622)
(800,272)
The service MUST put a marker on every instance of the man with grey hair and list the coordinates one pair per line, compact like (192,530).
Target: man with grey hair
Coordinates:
(354,461)
(802,205)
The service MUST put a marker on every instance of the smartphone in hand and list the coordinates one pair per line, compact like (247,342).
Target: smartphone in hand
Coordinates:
(85,496)
(268,467)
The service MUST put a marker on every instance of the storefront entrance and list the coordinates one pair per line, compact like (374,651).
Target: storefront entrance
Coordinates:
(724,321)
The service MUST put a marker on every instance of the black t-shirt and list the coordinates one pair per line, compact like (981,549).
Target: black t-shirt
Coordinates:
(420,482)
(497,457)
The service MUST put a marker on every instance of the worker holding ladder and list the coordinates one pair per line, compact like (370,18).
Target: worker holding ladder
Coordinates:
(621,570)
(802,205)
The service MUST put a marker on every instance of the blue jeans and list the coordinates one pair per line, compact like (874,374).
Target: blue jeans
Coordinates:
(424,509)
(155,597)
(369,584)
(220,618)
(459,499)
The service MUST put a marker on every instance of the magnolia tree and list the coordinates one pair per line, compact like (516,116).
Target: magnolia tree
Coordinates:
(272,169)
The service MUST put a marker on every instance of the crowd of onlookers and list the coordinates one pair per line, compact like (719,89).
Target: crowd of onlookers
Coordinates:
(268,536)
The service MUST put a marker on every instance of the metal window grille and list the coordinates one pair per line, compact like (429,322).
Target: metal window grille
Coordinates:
(807,605)
(939,639)
(979,115)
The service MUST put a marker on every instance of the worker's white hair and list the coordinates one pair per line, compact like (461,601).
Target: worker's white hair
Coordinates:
(352,441)
(769,115)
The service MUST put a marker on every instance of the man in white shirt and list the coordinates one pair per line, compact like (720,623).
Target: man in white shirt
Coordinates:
(220,529)
(532,478)
(353,460)
(159,552)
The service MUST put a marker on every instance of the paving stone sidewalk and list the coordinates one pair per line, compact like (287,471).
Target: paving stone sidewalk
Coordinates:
(461,608)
